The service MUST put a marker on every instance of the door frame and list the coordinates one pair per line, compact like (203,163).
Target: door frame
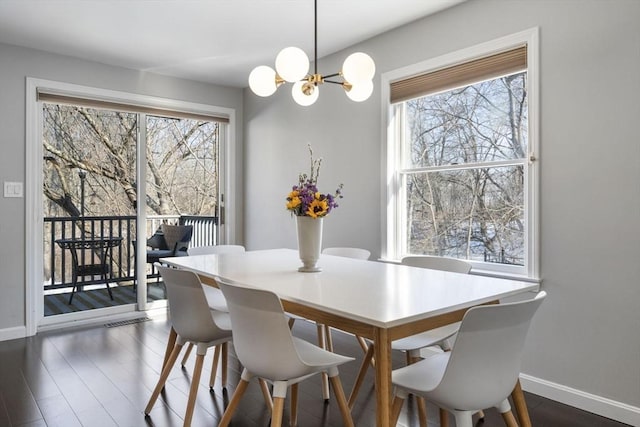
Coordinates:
(34,248)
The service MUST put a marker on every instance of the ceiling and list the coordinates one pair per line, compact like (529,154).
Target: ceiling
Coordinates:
(214,41)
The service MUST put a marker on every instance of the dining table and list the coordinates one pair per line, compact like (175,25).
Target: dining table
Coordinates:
(380,301)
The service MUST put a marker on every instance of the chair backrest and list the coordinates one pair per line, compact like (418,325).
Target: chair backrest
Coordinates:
(177,237)
(190,313)
(217,249)
(261,336)
(356,253)
(438,263)
(484,363)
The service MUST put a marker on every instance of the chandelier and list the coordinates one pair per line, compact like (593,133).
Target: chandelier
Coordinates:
(292,65)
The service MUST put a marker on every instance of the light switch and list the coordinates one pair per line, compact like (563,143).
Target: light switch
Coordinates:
(13,189)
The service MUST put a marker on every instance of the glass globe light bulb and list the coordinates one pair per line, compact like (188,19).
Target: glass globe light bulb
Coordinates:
(292,64)
(298,93)
(361,91)
(358,67)
(262,81)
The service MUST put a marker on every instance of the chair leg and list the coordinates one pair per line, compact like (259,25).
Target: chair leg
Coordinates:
(520,405)
(363,343)
(214,367)
(342,401)
(365,346)
(422,411)
(193,390)
(323,344)
(266,394)
(396,408)
(360,378)
(225,360)
(276,415)
(444,418)
(104,277)
(186,354)
(328,338)
(171,342)
(509,419)
(74,281)
(422,405)
(292,321)
(163,378)
(233,404)
(293,418)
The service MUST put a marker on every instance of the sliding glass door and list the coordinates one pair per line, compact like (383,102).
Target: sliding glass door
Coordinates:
(94,202)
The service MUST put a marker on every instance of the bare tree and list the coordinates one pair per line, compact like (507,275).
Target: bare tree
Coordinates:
(457,205)
(181,158)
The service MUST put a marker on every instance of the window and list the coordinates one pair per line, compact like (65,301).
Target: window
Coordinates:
(461,162)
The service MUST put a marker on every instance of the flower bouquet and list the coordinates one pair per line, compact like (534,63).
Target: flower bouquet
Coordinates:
(305,199)
(310,207)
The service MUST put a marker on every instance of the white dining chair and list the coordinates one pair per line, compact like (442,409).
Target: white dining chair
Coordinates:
(482,368)
(194,322)
(355,253)
(434,337)
(324,332)
(215,249)
(214,295)
(412,345)
(216,302)
(274,354)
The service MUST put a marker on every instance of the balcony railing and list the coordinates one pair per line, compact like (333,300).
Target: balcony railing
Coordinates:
(58,264)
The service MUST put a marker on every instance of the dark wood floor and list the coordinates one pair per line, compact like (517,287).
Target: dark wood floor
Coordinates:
(103,376)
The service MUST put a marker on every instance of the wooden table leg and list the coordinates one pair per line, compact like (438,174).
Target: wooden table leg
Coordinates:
(520,406)
(382,350)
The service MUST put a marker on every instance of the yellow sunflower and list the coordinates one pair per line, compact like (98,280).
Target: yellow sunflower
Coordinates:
(293,201)
(318,208)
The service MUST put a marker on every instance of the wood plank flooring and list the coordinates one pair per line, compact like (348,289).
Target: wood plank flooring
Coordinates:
(103,376)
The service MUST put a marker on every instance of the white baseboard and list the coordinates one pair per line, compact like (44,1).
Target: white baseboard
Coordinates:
(73,322)
(13,333)
(608,408)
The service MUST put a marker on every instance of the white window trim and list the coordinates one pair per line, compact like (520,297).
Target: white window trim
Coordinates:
(391,155)
(33,183)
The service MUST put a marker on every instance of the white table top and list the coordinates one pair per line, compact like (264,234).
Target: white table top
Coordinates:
(379,294)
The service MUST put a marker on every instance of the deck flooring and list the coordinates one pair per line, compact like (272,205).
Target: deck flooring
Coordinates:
(98,298)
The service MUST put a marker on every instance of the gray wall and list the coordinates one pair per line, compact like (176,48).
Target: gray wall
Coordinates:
(16,64)
(586,335)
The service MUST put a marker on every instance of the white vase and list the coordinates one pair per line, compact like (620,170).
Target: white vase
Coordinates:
(309,242)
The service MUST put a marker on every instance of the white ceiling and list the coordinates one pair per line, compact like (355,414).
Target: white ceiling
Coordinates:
(215,41)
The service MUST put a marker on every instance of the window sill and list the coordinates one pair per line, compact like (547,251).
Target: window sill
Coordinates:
(481,272)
